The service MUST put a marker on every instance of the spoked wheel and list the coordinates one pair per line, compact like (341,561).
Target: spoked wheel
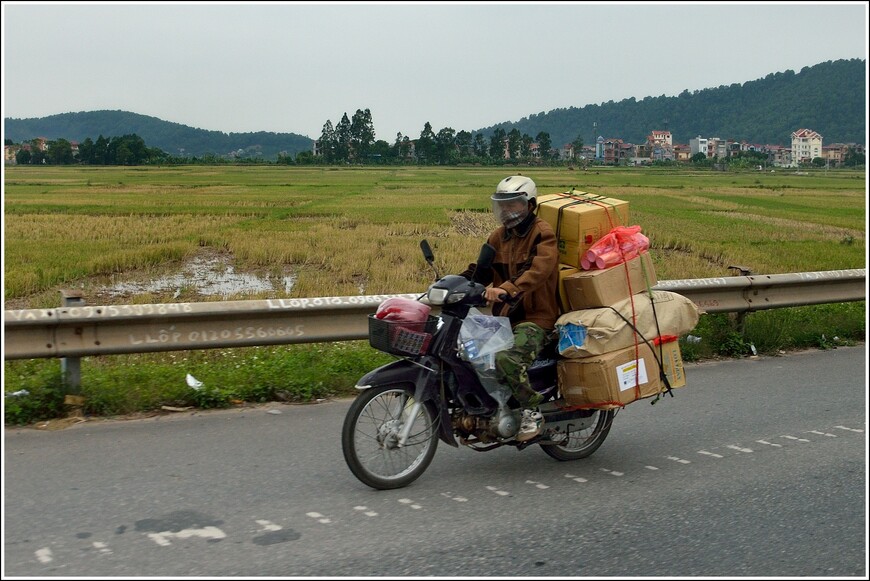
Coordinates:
(583,442)
(370,437)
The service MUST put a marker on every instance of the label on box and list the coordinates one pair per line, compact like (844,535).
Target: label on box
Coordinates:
(631,374)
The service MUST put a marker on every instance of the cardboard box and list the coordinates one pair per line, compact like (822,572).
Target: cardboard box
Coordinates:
(565,270)
(603,287)
(651,313)
(672,363)
(580,219)
(609,380)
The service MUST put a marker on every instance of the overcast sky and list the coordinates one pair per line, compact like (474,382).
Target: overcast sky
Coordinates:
(290,67)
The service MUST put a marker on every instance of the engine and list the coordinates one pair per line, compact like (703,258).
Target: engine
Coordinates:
(504,424)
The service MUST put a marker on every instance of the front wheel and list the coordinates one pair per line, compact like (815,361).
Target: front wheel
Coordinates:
(582,443)
(372,430)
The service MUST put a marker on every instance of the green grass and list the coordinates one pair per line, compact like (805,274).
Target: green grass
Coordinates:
(340,230)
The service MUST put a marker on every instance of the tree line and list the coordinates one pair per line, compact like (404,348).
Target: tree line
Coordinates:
(124,150)
(352,141)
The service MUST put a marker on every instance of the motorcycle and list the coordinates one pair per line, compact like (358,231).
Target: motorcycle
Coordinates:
(392,429)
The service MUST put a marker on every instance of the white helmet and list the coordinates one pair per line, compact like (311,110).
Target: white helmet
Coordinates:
(513,187)
(513,199)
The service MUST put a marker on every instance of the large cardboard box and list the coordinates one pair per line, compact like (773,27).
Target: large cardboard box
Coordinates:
(672,362)
(580,219)
(603,287)
(611,379)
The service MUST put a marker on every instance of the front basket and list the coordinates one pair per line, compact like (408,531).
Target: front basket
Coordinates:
(401,337)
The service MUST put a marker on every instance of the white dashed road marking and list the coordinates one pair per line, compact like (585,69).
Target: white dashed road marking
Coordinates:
(706,453)
(680,460)
(456,498)
(497,491)
(44,555)
(848,429)
(795,438)
(102,548)
(537,484)
(320,518)
(365,510)
(739,449)
(576,478)
(410,503)
(822,433)
(268,525)
(766,443)
(613,472)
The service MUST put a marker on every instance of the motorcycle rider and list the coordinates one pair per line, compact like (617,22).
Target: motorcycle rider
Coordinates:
(524,281)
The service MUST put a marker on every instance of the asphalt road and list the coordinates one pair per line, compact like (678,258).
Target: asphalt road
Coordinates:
(757,468)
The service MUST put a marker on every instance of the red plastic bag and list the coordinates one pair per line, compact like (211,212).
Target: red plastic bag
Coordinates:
(619,245)
(406,310)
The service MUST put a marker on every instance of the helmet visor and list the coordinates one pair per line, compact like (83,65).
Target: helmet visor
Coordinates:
(510,212)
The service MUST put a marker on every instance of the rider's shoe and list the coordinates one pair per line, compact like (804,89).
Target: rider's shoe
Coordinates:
(531,425)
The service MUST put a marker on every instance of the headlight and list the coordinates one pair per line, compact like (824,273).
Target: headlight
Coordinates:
(436,296)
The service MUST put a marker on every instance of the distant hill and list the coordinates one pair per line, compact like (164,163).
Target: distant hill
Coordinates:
(173,138)
(829,98)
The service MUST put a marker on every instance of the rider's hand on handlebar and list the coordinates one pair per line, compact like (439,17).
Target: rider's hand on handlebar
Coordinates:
(495,295)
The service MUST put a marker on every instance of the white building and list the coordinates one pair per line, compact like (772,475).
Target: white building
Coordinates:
(806,145)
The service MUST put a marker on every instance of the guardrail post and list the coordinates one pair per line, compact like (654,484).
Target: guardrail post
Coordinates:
(71,367)
(739,318)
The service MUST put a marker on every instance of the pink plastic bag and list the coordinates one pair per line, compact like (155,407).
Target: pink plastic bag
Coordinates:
(619,245)
(407,310)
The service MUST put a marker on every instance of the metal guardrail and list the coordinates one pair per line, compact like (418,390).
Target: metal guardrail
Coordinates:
(76,331)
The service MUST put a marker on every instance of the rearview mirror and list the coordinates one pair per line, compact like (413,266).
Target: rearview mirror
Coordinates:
(427,251)
(486,256)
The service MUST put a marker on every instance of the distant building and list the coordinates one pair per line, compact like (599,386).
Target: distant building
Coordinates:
(660,138)
(806,145)
(698,145)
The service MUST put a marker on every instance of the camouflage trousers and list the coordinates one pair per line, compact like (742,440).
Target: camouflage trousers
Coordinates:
(511,365)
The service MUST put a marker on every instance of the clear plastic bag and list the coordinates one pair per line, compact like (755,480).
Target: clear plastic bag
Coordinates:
(481,336)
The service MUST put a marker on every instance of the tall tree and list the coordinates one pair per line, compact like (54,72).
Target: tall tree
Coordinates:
(342,140)
(426,144)
(445,145)
(544,144)
(496,144)
(578,146)
(515,140)
(101,151)
(362,133)
(480,149)
(463,143)
(327,142)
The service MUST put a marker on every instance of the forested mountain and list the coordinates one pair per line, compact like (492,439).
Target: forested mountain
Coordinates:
(829,98)
(173,138)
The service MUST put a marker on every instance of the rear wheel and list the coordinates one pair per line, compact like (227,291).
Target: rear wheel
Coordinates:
(582,443)
(371,433)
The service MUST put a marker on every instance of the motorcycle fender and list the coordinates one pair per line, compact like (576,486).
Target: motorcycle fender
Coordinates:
(400,371)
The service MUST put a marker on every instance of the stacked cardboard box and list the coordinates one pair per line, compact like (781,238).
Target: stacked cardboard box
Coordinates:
(585,289)
(616,378)
(607,362)
(610,365)
(579,220)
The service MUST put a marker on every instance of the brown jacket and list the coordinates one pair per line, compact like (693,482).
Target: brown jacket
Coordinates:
(526,265)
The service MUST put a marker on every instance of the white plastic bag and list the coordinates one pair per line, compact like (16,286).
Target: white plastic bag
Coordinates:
(483,335)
